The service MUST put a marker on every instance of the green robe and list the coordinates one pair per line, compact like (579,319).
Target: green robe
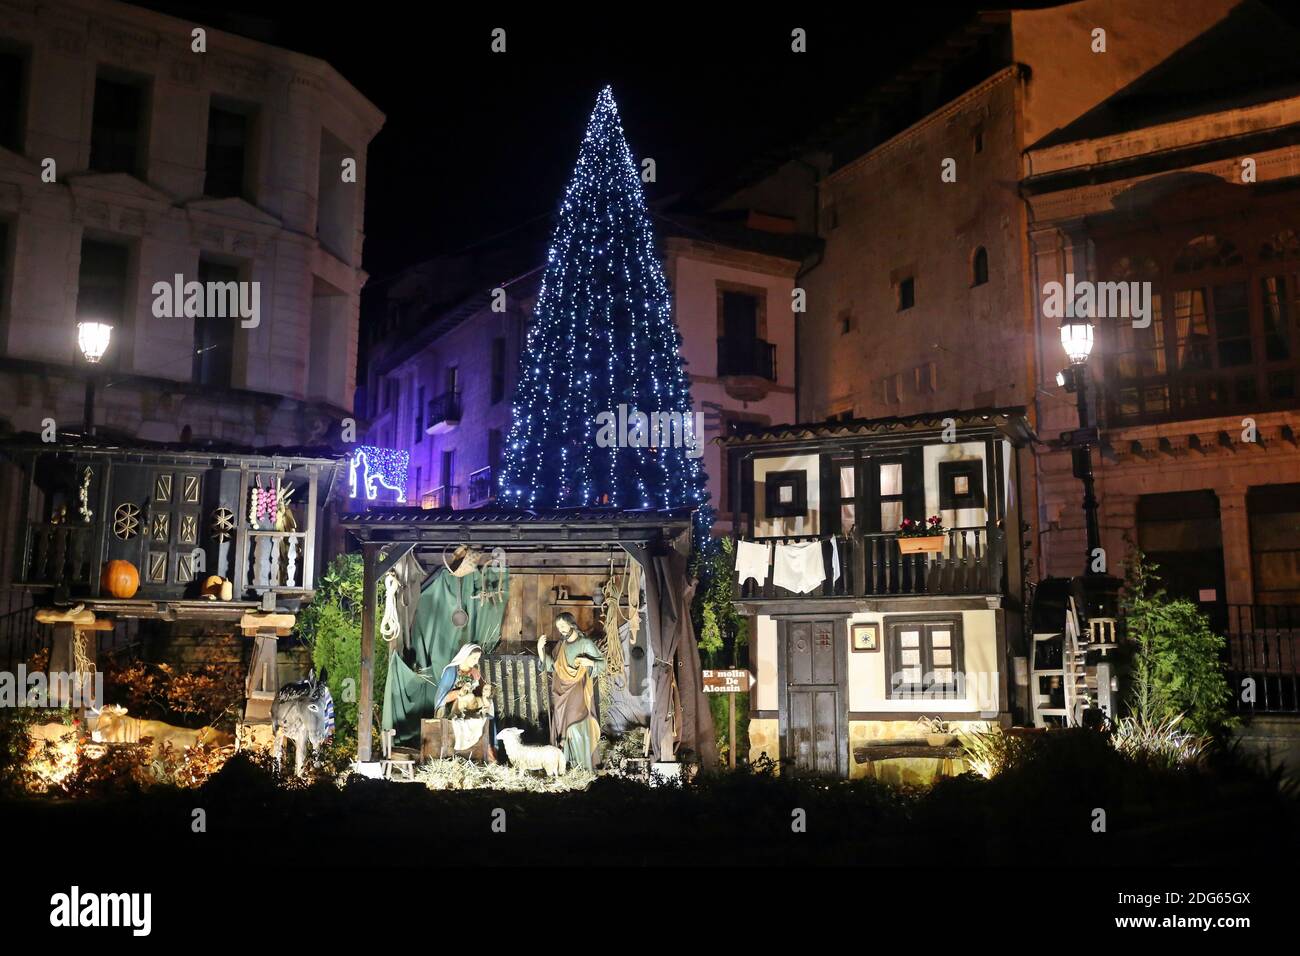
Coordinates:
(572,718)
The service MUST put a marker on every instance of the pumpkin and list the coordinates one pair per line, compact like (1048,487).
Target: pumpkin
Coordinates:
(212,585)
(120,579)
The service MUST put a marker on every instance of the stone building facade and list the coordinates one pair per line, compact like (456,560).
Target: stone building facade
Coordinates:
(129,158)
(1108,142)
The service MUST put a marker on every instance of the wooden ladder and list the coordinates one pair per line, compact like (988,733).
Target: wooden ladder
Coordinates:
(1072,674)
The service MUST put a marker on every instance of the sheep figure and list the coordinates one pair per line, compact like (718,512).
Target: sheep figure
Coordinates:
(532,756)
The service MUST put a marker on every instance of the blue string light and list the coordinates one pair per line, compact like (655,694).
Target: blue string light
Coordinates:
(602,335)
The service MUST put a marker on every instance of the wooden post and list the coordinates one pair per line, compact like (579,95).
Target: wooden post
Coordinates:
(365,703)
(731,737)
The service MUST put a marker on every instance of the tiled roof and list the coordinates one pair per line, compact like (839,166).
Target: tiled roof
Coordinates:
(1011,420)
(109,444)
(444,516)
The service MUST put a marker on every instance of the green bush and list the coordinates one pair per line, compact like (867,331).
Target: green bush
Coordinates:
(331,627)
(1178,659)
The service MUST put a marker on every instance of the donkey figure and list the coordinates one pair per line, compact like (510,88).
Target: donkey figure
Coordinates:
(304,713)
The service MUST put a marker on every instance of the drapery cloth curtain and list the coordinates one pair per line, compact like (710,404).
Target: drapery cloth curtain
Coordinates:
(677,679)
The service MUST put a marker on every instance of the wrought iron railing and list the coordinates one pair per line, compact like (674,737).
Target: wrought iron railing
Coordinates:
(443,408)
(480,485)
(752,357)
(1263,657)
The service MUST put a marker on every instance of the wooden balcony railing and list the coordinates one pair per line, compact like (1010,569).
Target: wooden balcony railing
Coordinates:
(872,566)
(59,554)
(276,561)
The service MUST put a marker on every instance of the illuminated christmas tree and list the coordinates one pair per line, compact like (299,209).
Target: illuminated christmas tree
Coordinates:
(603,336)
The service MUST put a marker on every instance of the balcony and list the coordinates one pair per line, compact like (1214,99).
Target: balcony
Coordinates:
(872,566)
(443,414)
(480,486)
(747,367)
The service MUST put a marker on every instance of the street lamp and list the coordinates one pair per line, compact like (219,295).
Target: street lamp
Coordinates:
(93,339)
(1077,340)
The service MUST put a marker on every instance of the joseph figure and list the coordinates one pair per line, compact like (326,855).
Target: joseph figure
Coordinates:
(574,667)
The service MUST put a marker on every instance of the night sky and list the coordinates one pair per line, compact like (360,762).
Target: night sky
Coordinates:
(477,143)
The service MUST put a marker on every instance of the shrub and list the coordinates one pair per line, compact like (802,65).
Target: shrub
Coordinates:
(1178,661)
(331,627)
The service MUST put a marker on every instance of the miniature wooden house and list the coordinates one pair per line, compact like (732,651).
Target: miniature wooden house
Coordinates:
(166,521)
(856,635)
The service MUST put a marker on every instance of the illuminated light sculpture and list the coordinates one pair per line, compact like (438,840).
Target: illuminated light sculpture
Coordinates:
(371,468)
(602,335)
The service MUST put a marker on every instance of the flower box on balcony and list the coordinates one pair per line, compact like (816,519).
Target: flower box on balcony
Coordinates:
(931,544)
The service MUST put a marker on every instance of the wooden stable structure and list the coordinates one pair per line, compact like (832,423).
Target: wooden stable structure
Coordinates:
(178,515)
(557,561)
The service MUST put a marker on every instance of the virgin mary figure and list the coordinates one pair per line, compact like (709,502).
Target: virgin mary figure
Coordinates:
(574,666)
(462,694)
(460,680)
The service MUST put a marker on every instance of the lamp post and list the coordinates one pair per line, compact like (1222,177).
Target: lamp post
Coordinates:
(1077,339)
(1097,591)
(93,339)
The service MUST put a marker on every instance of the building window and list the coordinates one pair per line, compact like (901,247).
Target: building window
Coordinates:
(906,291)
(4,269)
(334,201)
(847,495)
(1180,532)
(977,139)
(924,658)
(419,415)
(498,369)
(448,468)
(228,153)
(13,98)
(118,126)
(1274,512)
(214,335)
(494,449)
(979,267)
(102,290)
(1221,336)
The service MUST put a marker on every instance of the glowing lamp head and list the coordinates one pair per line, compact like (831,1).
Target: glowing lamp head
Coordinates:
(93,339)
(1076,338)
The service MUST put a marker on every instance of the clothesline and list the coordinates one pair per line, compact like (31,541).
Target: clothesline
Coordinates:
(796,566)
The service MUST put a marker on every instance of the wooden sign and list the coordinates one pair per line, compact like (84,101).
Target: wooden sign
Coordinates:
(727,682)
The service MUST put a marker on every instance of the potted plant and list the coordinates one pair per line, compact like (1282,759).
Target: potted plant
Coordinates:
(937,733)
(921,536)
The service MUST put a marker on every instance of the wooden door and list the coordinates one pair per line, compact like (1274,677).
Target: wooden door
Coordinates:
(175,514)
(814,725)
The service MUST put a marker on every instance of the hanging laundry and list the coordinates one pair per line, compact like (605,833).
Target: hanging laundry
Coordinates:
(752,560)
(835,559)
(799,567)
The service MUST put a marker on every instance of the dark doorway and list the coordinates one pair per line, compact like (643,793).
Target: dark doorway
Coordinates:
(1180,532)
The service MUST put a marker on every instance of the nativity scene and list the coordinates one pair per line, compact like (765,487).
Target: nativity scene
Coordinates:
(531,642)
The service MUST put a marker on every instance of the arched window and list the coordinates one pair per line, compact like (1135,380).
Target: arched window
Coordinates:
(1207,252)
(979,267)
